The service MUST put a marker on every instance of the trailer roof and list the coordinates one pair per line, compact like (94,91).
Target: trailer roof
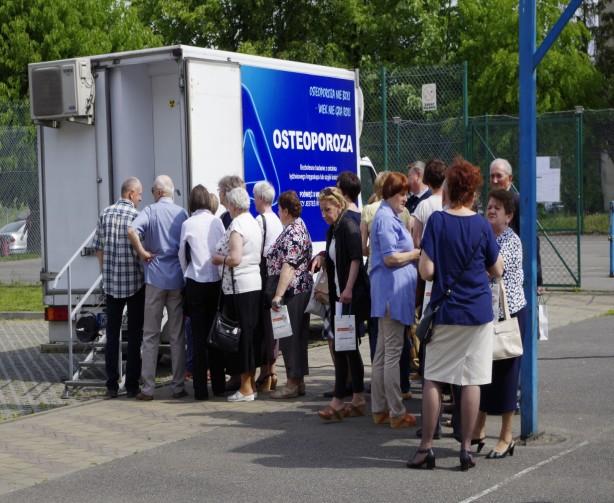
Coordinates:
(199,53)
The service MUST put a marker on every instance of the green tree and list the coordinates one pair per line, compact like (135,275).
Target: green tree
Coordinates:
(488,40)
(43,30)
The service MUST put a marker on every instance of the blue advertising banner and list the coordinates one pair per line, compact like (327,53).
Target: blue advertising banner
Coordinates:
(299,133)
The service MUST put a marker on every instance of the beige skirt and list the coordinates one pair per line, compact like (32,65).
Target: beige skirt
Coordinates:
(460,354)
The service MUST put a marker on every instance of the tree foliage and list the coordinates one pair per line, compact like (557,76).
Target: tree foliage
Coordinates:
(349,33)
(44,30)
(489,42)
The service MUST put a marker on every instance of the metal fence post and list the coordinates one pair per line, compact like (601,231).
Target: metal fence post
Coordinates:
(384,88)
(611,238)
(466,110)
(580,185)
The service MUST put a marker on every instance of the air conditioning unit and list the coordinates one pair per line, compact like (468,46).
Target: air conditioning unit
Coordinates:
(62,90)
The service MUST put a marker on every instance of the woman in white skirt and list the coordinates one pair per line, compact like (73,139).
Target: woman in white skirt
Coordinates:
(459,252)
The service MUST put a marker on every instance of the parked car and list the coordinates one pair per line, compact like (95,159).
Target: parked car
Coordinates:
(13,238)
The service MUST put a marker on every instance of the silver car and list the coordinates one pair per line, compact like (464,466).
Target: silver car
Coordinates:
(13,238)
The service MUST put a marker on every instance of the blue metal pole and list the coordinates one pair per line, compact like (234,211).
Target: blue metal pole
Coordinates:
(528,213)
(611,238)
(556,31)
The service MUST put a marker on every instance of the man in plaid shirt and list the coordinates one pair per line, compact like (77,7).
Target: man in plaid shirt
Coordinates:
(122,277)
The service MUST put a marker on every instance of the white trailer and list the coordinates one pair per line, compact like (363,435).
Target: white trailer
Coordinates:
(192,113)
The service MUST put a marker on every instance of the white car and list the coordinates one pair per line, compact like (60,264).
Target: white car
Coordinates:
(14,238)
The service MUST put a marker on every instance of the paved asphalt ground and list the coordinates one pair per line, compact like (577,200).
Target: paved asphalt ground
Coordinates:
(179,450)
(270,451)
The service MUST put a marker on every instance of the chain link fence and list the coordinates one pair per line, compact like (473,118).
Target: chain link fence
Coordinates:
(19,198)
(580,145)
(413,114)
(559,142)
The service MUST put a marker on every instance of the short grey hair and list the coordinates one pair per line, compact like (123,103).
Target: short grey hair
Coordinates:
(265,191)
(503,163)
(227,183)
(417,167)
(130,183)
(164,184)
(239,198)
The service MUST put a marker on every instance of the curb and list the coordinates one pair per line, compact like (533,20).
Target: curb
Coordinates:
(21,315)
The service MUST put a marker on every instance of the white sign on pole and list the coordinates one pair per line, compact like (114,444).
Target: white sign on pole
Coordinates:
(429,97)
(548,174)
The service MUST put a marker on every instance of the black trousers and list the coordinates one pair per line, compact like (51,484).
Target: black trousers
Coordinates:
(202,304)
(115,308)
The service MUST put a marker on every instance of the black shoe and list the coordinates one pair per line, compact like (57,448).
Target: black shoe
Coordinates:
(111,393)
(132,393)
(180,394)
(428,462)
(201,397)
(474,441)
(500,455)
(466,460)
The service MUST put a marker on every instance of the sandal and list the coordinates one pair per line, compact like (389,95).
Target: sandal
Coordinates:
(266,382)
(381,417)
(352,410)
(405,421)
(331,415)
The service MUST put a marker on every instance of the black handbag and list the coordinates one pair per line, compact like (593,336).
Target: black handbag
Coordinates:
(225,332)
(424,330)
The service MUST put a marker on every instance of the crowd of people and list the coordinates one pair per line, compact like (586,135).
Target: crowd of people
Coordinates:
(419,241)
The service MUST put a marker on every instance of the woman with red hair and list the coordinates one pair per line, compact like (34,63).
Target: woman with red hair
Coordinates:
(459,252)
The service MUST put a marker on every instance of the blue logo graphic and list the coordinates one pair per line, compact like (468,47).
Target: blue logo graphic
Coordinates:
(299,133)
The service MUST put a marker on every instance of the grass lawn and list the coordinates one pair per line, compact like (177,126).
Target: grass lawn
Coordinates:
(19,256)
(598,223)
(18,297)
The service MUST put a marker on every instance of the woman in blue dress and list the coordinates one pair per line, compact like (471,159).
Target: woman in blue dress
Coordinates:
(459,252)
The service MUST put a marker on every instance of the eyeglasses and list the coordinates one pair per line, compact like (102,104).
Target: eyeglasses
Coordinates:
(327,191)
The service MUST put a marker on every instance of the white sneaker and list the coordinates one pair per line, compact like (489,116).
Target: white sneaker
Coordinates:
(237,396)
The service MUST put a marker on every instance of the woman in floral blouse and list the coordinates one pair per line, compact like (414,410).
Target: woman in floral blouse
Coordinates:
(289,259)
(499,397)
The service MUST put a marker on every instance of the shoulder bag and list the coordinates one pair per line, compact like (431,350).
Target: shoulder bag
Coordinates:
(225,332)
(424,331)
(507,341)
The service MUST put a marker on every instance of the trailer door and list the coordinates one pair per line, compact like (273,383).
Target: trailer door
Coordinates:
(214,121)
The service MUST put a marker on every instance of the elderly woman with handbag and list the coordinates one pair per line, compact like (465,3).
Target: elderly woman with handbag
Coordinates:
(393,294)
(459,251)
(348,284)
(199,234)
(238,255)
(499,397)
(288,262)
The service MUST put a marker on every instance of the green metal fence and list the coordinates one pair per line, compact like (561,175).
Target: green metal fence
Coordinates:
(414,113)
(399,127)
(559,142)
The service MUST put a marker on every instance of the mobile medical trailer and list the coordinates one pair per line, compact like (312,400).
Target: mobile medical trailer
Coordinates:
(194,114)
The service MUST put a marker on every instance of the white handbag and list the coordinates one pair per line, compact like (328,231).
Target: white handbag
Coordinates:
(507,341)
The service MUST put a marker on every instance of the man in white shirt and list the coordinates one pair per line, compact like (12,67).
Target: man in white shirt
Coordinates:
(418,190)
(434,176)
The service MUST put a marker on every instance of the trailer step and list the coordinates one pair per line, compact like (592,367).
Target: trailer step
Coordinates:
(86,383)
(91,365)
